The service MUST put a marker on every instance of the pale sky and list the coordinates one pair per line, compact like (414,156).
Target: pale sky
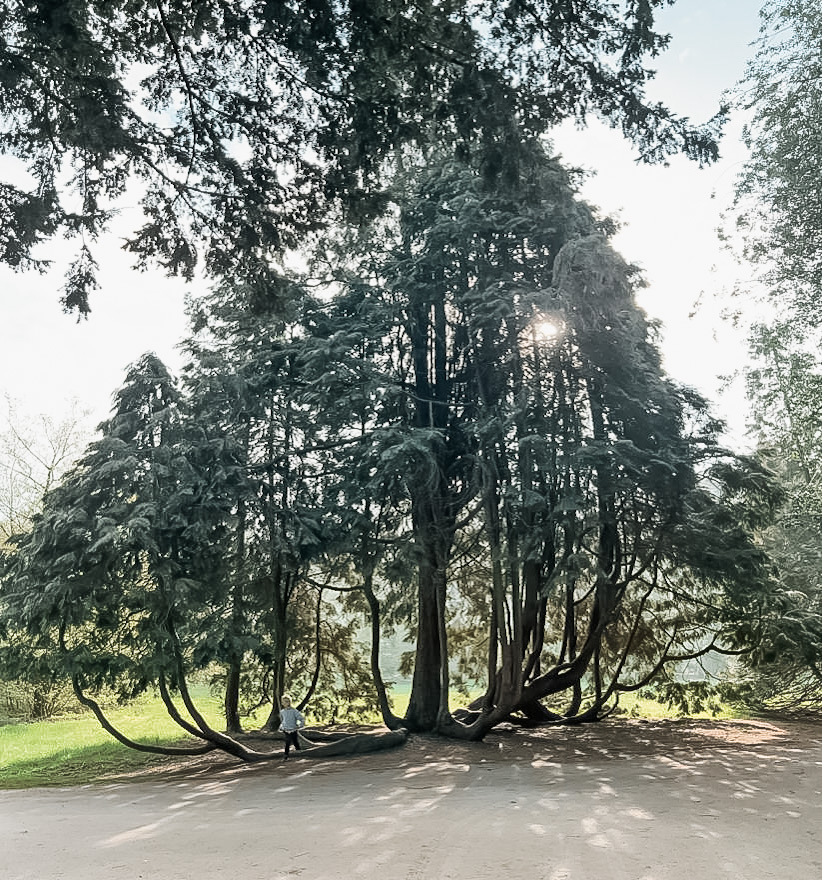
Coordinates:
(670,215)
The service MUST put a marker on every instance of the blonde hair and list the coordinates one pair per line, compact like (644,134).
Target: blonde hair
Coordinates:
(285,700)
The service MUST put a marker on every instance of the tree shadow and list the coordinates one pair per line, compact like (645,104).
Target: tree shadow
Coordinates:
(640,801)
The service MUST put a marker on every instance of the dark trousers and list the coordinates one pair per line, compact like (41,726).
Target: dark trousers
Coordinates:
(291,739)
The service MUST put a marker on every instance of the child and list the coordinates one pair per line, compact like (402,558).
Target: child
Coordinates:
(291,720)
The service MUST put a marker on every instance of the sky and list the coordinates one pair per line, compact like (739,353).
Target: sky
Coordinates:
(669,216)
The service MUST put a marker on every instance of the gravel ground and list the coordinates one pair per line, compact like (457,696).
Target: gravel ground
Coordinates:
(623,800)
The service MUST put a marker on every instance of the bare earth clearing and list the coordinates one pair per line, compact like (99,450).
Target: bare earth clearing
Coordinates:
(622,800)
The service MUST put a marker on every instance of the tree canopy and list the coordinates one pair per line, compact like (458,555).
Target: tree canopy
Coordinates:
(469,436)
(241,126)
(452,424)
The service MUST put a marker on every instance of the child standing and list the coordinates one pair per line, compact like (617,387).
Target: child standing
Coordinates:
(291,720)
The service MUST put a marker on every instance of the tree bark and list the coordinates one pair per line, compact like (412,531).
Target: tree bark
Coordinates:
(232,697)
(424,704)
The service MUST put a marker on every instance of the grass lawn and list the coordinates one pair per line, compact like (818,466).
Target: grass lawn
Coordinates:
(75,750)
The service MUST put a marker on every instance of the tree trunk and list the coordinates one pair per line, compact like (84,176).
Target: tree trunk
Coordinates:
(279,633)
(424,705)
(232,697)
(232,687)
(389,718)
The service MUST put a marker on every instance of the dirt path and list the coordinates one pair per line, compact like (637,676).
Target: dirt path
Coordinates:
(622,801)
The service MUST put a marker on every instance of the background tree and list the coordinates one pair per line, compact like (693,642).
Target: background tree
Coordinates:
(777,205)
(785,390)
(35,452)
(778,214)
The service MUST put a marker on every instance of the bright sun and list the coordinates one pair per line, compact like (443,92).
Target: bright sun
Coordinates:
(545,329)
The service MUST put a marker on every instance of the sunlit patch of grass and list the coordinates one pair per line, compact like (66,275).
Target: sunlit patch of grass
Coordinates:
(75,750)
(635,706)
(631,705)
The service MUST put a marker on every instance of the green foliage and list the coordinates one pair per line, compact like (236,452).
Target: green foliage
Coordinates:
(777,206)
(779,215)
(245,124)
(691,698)
(23,701)
(785,673)
(124,548)
(546,513)
(568,511)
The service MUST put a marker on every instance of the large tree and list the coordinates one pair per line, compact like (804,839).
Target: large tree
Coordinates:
(238,125)
(123,566)
(416,442)
(472,433)
(555,486)
(248,382)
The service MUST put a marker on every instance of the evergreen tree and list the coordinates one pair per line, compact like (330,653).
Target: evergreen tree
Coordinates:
(557,484)
(472,436)
(183,542)
(252,379)
(120,583)
(241,124)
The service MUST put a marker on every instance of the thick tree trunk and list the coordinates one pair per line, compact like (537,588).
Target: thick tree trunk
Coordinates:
(424,704)
(354,744)
(432,517)
(232,697)
(280,639)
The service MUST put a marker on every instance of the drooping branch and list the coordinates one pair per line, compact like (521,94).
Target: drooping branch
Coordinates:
(189,90)
(89,703)
(388,717)
(317,651)
(219,740)
(172,709)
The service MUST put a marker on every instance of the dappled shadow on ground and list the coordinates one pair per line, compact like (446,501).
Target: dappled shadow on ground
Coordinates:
(666,800)
(665,742)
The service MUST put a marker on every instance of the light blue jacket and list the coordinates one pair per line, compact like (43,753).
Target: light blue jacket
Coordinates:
(291,719)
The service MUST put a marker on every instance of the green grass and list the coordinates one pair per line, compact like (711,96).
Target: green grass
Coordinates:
(633,706)
(75,750)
